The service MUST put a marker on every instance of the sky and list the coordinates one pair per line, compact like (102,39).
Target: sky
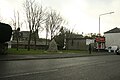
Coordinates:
(81,15)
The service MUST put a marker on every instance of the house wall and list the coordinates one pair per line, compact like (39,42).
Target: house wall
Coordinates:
(24,44)
(112,39)
(77,44)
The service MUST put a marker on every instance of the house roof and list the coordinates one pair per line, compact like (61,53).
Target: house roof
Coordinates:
(74,36)
(114,30)
(78,38)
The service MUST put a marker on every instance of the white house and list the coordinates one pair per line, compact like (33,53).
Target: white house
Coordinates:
(112,37)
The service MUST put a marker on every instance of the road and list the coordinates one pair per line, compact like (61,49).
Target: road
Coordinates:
(80,68)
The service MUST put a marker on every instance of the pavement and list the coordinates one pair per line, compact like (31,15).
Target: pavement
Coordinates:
(50,56)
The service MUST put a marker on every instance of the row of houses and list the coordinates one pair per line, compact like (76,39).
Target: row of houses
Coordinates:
(23,41)
(74,43)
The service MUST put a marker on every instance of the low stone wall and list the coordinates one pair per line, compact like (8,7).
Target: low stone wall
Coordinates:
(22,46)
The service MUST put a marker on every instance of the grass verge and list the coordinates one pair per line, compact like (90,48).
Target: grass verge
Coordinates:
(34,52)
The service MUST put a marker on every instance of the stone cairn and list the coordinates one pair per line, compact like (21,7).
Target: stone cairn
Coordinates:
(53,46)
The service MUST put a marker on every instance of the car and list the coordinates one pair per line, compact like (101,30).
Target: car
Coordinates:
(118,52)
(112,49)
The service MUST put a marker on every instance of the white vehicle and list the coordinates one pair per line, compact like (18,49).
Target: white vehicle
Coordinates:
(112,49)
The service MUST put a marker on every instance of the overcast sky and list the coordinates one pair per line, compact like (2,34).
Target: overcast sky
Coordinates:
(82,15)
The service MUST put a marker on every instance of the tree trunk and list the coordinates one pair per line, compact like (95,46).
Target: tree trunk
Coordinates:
(35,41)
(46,39)
(17,37)
(29,39)
(17,43)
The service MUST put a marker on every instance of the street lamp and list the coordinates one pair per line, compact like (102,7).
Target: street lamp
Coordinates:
(99,29)
(99,19)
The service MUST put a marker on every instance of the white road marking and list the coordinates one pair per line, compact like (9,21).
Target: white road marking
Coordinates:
(29,73)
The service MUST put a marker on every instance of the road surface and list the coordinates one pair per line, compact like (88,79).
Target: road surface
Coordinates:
(80,68)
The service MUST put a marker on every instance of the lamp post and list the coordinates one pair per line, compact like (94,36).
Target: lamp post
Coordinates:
(99,28)
(99,19)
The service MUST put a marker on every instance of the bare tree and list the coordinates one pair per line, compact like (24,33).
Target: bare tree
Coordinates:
(53,23)
(16,23)
(40,19)
(47,28)
(35,17)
